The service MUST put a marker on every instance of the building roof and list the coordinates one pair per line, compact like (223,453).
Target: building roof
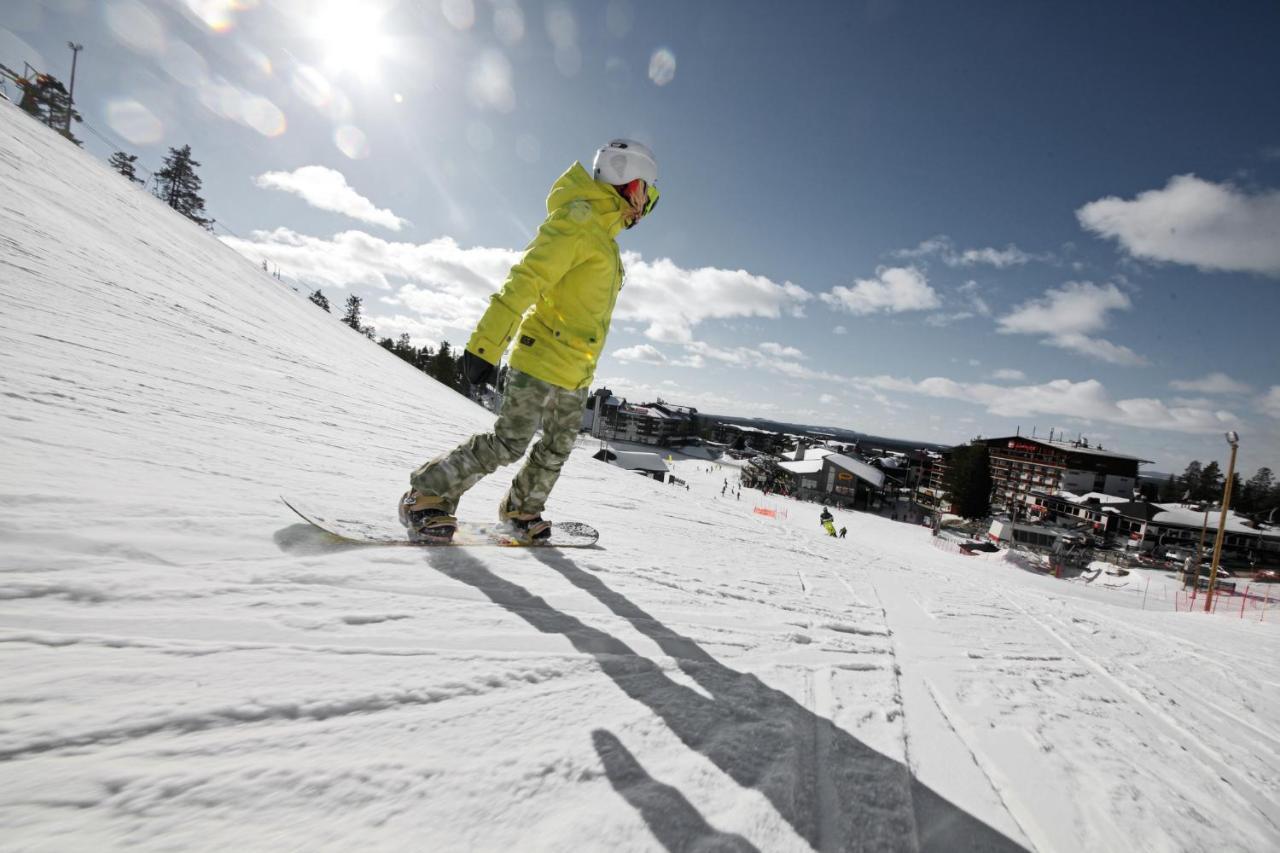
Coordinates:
(861,470)
(809,453)
(804,466)
(1096,496)
(1065,447)
(1188,516)
(632,460)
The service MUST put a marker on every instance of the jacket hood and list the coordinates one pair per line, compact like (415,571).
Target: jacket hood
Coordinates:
(602,201)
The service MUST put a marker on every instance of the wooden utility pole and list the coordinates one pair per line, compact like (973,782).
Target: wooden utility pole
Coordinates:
(71,95)
(1233,438)
(1195,578)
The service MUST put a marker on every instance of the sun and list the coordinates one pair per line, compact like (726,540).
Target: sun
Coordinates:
(351,37)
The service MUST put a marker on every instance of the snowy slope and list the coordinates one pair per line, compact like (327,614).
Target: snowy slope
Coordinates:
(183,669)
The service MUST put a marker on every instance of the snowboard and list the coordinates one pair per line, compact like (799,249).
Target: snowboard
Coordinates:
(564,534)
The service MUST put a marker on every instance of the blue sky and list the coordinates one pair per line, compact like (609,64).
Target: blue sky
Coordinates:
(931,220)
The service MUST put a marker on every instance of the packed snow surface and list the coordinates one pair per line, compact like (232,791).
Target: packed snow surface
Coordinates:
(186,666)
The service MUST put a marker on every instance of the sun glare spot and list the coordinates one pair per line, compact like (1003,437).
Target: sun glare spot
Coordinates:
(351,38)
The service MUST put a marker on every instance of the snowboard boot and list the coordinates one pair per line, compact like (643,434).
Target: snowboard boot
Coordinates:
(426,519)
(530,527)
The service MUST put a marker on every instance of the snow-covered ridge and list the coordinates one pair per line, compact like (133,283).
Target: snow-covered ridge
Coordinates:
(178,673)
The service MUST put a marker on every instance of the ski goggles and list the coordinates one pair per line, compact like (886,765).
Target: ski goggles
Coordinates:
(651,199)
(651,195)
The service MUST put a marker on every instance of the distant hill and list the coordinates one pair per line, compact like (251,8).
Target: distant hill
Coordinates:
(839,433)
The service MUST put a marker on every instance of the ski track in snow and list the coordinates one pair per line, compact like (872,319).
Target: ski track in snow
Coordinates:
(182,670)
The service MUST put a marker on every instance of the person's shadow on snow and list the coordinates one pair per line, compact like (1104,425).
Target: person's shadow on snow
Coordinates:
(835,791)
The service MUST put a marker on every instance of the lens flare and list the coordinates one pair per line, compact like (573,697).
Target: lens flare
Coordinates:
(134,122)
(351,141)
(662,66)
(508,22)
(461,14)
(217,15)
(262,115)
(491,82)
(135,27)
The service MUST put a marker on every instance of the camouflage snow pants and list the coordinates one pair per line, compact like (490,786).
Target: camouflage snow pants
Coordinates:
(528,403)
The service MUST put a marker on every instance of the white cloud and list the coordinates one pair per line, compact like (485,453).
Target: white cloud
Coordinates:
(940,320)
(1196,222)
(327,189)
(970,290)
(757,359)
(892,291)
(1214,383)
(1008,374)
(439,277)
(781,351)
(942,247)
(1269,402)
(826,399)
(1066,317)
(354,258)
(1086,400)
(671,300)
(646,353)
(839,330)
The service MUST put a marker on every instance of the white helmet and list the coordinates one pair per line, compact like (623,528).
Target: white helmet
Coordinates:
(621,161)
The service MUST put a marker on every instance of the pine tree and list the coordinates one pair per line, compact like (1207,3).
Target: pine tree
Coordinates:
(1189,482)
(1168,490)
(403,348)
(178,185)
(1211,483)
(444,367)
(123,163)
(352,317)
(318,298)
(1256,491)
(968,481)
(46,99)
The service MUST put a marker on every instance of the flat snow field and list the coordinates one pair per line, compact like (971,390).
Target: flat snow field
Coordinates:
(186,667)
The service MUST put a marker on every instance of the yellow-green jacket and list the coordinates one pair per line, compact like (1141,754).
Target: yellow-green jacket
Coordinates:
(571,274)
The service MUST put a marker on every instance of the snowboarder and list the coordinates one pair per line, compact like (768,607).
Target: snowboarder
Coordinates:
(571,274)
(827,520)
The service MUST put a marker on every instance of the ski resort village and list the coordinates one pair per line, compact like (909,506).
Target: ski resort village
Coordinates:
(276,577)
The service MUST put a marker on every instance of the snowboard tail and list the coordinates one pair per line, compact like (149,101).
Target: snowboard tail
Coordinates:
(564,534)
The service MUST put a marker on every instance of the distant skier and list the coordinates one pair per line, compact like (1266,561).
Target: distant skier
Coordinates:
(571,274)
(843,531)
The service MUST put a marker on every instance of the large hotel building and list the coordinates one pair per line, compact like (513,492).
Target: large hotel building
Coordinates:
(1022,464)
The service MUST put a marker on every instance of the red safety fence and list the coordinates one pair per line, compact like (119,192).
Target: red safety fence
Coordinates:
(1251,602)
(770,512)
